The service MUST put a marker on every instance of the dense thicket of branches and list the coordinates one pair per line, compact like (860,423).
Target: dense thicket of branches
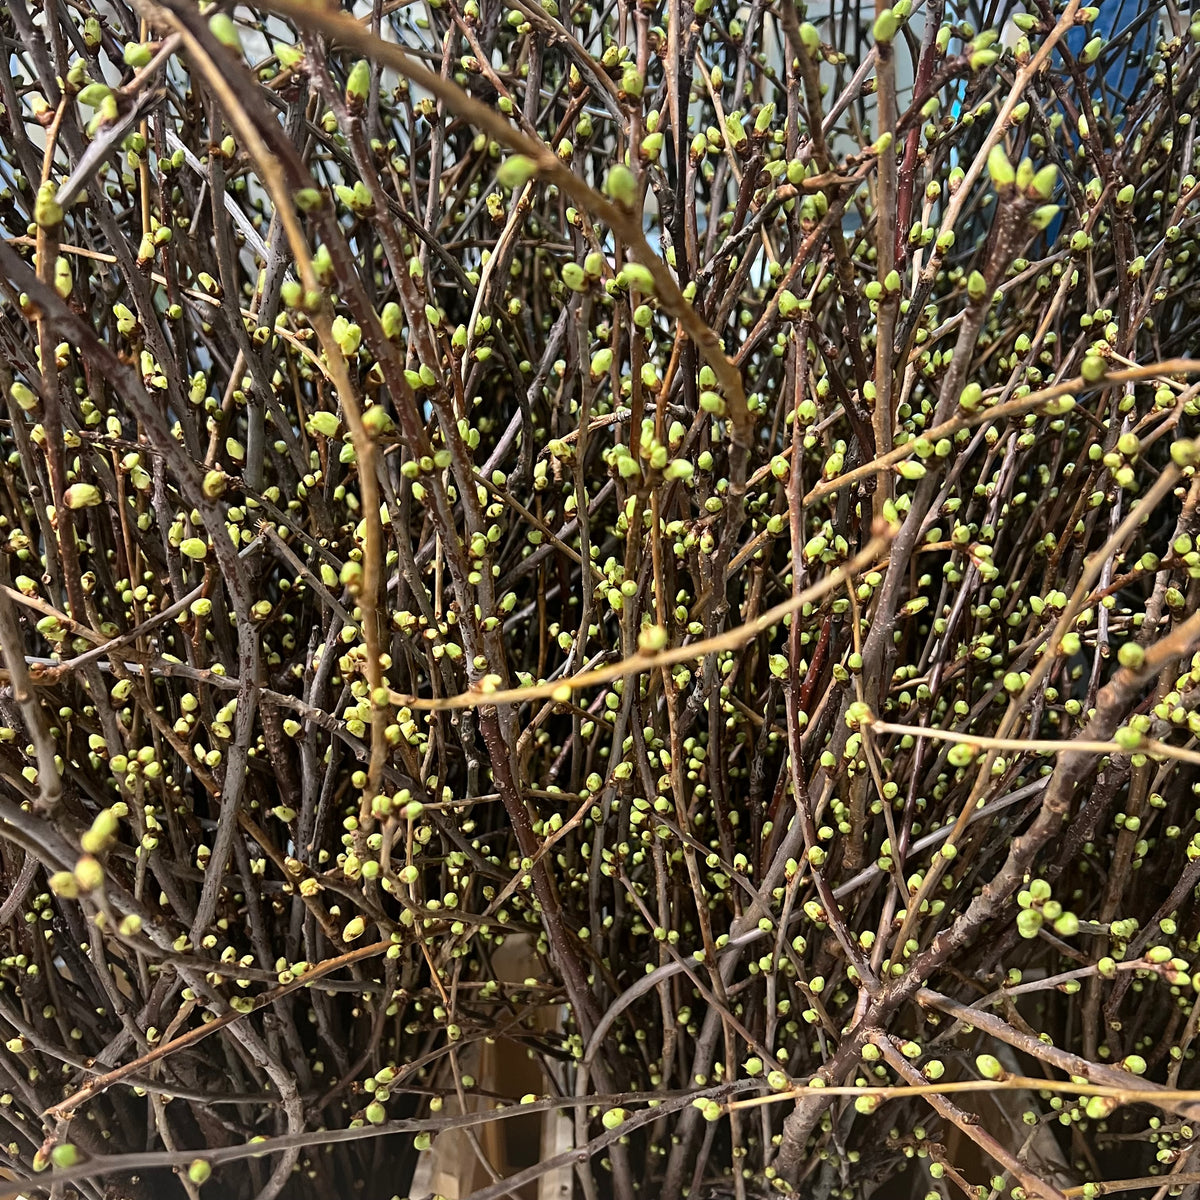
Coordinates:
(701,494)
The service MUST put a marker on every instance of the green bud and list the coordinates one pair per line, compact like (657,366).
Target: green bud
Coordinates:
(1029,921)
(64,884)
(24,397)
(735,133)
(1045,181)
(47,212)
(639,278)
(887,25)
(89,874)
(98,837)
(962,754)
(308,199)
(1067,925)
(1184,453)
(621,186)
(325,424)
(358,85)
(347,335)
(288,55)
(199,1171)
(351,576)
(392,320)
(323,264)
(377,421)
(225,31)
(999,168)
(1041,217)
(652,145)
(1131,656)
(82,495)
(137,54)
(92,95)
(989,1067)
(63,279)
(194,547)
(516,171)
(215,483)
(64,1155)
